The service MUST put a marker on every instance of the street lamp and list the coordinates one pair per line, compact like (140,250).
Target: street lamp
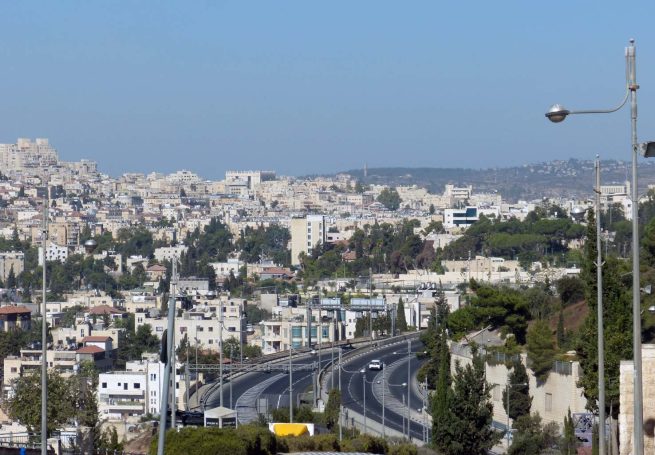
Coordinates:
(409,353)
(363,372)
(382,383)
(557,113)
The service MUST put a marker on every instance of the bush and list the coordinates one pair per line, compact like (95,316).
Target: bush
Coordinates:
(318,443)
(246,440)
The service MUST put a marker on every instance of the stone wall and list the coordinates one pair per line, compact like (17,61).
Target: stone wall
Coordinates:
(627,402)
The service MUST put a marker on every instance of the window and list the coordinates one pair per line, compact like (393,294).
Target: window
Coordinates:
(201,329)
(549,402)
(211,329)
(14,370)
(104,385)
(153,377)
(125,386)
(211,341)
(137,385)
(160,329)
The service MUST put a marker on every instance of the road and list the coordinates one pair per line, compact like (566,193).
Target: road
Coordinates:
(250,389)
(353,383)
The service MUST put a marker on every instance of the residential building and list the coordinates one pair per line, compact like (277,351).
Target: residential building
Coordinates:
(11,260)
(15,318)
(306,234)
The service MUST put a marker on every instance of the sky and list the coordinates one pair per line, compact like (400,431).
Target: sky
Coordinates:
(306,87)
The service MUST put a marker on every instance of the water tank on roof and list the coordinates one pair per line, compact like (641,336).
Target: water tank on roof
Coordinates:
(577,213)
(90,246)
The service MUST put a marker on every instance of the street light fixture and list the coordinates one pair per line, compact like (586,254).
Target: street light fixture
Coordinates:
(557,113)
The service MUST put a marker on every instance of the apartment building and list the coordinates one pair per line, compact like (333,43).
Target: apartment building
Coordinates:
(53,252)
(137,390)
(11,260)
(65,359)
(25,154)
(202,325)
(306,234)
(288,326)
(14,317)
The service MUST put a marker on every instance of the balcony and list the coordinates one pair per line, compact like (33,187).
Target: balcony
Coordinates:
(117,394)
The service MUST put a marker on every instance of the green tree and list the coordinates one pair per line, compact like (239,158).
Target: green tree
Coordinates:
(401,322)
(569,444)
(467,430)
(617,314)
(541,349)
(519,392)
(25,405)
(570,289)
(531,437)
(390,198)
(332,409)
(440,405)
(11,278)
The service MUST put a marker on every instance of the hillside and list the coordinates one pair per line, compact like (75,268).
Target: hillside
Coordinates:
(572,178)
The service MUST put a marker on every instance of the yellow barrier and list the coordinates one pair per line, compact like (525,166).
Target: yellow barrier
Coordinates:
(290,429)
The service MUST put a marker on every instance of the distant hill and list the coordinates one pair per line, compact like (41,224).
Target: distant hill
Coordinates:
(571,178)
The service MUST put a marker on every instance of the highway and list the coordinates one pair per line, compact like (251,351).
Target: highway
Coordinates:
(352,386)
(250,389)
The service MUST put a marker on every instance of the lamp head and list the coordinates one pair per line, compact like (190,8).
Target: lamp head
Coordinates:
(647,149)
(557,113)
(404,384)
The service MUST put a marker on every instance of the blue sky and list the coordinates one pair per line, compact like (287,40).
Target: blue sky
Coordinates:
(309,87)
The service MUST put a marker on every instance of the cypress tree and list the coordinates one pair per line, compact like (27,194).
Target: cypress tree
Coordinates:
(569,441)
(11,278)
(519,393)
(464,419)
(401,321)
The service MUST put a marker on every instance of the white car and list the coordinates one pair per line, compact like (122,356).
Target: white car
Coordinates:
(375,365)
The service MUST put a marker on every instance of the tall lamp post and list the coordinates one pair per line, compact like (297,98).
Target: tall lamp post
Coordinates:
(44,335)
(557,113)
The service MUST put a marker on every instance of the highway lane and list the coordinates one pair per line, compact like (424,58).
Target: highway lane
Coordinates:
(275,386)
(268,385)
(352,386)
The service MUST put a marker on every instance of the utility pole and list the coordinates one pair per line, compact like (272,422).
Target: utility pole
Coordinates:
(44,333)
(370,302)
(364,388)
(384,427)
(220,349)
(167,369)
(290,379)
(409,383)
(171,351)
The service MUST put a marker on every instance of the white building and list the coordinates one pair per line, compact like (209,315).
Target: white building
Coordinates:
(136,391)
(53,252)
(232,265)
(201,326)
(168,253)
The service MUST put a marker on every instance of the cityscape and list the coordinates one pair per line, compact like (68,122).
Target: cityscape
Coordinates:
(291,227)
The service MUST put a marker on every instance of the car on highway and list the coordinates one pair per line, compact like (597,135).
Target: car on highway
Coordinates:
(375,365)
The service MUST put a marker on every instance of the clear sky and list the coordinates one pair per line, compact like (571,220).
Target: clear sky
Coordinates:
(311,87)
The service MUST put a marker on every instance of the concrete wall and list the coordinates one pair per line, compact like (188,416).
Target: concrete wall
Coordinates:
(551,399)
(627,401)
